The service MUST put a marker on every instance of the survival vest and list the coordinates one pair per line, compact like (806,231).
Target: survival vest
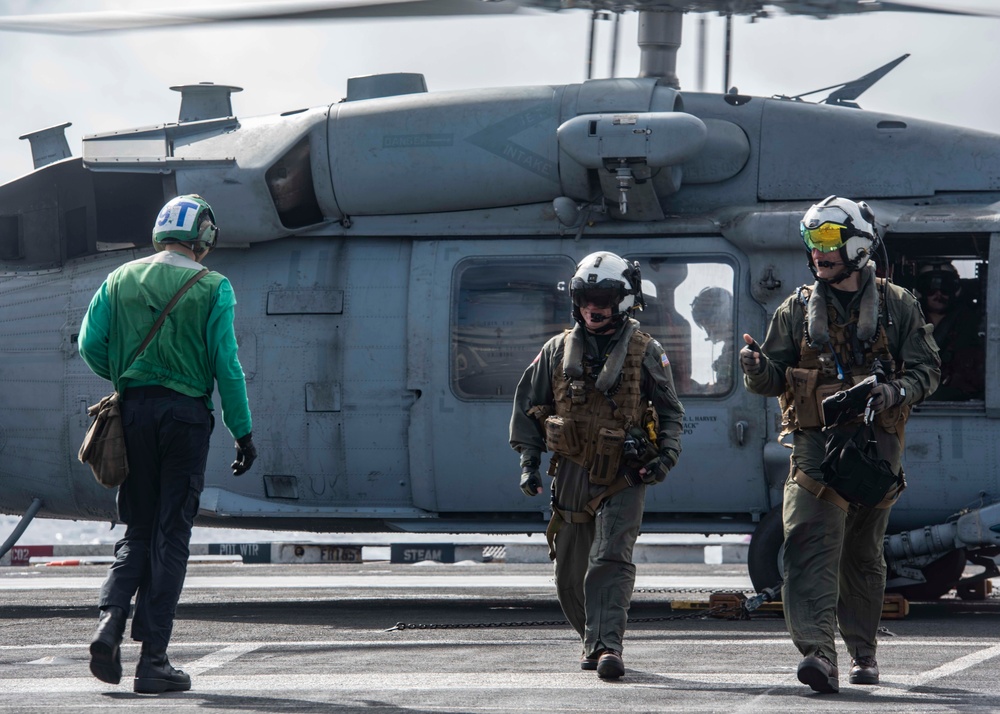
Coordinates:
(589,427)
(829,368)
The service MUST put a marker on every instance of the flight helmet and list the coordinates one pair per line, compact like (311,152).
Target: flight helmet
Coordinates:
(606,279)
(938,275)
(186,219)
(712,311)
(840,224)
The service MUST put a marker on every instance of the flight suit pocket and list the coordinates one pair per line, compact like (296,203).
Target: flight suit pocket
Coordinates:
(607,456)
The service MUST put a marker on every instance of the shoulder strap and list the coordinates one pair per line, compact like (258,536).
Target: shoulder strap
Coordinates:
(170,306)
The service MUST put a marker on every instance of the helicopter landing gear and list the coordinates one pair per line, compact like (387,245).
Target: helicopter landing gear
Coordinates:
(764,554)
(940,576)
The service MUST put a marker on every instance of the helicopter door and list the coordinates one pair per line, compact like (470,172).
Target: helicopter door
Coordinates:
(697,309)
(497,302)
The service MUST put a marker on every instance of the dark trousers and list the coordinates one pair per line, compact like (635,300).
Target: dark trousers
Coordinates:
(166,438)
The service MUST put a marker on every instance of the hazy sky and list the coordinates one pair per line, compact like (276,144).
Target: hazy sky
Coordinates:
(107,82)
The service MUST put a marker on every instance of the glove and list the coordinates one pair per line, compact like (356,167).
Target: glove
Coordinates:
(246,454)
(531,481)
(885,396)
(656,470)
(751,360)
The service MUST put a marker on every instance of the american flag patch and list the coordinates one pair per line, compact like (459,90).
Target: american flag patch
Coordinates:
(664,360)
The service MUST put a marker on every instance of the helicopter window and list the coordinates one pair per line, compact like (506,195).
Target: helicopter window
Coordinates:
(952,293)
(291,185)
(503,311)
(690,310)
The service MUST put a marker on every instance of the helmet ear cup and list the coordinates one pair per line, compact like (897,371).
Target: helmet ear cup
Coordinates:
(208,233)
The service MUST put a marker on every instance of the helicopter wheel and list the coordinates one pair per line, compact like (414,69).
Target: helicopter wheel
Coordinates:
(941,575)
(764,554)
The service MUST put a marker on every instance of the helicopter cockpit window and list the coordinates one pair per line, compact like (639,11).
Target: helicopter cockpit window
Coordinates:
(291,185)
(503,311)
(690,310)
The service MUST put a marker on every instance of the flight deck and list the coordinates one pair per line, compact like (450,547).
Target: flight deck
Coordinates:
(468,637)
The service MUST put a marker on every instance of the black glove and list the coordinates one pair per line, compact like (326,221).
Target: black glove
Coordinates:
(656,470)
(751,361)
(885,396)
(246,454)
(531,481)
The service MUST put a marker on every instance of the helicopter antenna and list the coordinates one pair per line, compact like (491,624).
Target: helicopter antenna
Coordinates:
(847,92)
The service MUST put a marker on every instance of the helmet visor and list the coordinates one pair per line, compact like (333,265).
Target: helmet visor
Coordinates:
(942,281)
(827,236)
(599,297)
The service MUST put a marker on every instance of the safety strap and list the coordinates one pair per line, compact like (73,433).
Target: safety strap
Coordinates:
(820,490)
(619,484)
(825,493)
(572,516)
(560,516)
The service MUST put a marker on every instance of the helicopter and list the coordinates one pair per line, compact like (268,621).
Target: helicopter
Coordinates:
(399,257)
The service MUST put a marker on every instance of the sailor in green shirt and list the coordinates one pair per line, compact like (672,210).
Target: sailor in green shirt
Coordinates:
(166,405)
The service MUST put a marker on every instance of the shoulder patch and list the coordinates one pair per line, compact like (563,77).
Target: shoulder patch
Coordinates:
(664,360)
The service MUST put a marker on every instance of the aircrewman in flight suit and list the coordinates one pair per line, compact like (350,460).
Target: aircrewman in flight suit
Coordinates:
(823,339)
(601,397)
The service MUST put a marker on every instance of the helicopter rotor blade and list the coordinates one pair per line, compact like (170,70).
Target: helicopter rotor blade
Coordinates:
(79,23)
(927,9)
(824,9)
(116,21)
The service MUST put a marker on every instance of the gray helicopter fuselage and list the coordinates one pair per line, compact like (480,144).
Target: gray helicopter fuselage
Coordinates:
(398,261)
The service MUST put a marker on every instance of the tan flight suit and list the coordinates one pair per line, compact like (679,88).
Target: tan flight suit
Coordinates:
(835,571)
(593,555)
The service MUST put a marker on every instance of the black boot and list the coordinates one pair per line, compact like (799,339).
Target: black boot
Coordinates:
(154,674)
(105,652)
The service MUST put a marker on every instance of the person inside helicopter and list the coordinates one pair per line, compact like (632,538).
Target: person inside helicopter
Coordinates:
(956,331)
(712,311)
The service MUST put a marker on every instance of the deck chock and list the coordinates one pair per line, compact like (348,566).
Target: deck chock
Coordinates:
(728,604)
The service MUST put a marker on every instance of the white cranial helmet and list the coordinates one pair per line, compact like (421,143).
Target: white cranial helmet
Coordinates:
(606,279)
(843,225)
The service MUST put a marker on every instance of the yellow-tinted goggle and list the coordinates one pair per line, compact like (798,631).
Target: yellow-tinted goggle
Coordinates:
(827,236)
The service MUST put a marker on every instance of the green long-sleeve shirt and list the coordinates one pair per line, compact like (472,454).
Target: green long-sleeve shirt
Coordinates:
(193,350)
